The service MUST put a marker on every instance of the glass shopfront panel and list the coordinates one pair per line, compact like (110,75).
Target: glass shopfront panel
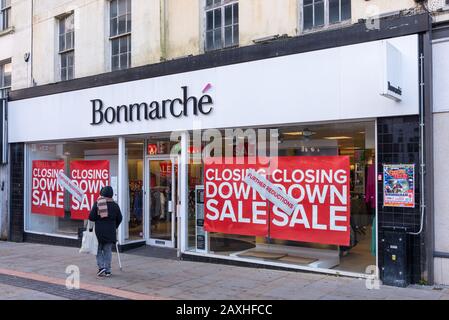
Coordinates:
(134,175)
(318,233)
(63,180)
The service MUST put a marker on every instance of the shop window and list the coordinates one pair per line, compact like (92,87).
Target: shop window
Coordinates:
(332,225)
(5,14)
(5,78)
(320,13)
(134,217)
(63,182)
(66,47)
(222,24)
(120,34)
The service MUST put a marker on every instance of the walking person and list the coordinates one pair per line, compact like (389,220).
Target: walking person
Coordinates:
(107,217)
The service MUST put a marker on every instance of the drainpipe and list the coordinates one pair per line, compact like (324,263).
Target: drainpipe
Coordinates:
(426,153)
(163,29)
(31,84)
(421,147)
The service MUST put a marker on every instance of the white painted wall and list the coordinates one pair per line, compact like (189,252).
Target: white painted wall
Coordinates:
(441,156)
(333,84)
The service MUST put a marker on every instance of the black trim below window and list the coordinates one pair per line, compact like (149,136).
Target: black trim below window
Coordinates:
(357,33)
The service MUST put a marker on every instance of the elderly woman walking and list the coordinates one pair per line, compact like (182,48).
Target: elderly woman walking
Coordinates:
(107,217)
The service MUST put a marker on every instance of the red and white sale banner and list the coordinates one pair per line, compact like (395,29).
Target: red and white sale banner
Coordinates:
(47,196)
(319,185)
(231,205)
(321,188)
(90,176)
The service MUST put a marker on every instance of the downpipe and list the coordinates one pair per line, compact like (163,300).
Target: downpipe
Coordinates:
(422,161)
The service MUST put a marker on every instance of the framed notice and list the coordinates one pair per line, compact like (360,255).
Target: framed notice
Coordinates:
(399,185)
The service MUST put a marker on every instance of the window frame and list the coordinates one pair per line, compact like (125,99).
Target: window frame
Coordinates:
(5,11)
(221,5)
(327,23)
(65,52)
(4,89)
(116,35)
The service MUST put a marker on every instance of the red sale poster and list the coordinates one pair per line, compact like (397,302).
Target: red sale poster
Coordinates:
(318,186)
(90,176)
(47,197)
(232,206)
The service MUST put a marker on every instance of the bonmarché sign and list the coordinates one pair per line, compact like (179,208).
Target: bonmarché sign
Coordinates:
(155,110)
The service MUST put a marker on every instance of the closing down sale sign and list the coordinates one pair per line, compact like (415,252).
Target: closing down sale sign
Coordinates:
(319,186)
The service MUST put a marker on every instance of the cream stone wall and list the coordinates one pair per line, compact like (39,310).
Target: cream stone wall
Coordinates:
(363,9)
(20,43)
(183,21)
(146,37)
(264,18)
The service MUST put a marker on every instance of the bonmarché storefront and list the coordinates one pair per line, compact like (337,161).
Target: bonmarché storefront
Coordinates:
(286,162)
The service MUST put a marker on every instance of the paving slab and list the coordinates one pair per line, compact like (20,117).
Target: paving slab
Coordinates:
(163,276)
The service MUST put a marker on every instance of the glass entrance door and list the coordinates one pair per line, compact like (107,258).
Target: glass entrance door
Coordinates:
(161,200)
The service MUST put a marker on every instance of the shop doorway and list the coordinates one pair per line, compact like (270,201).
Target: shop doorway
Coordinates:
(162,195)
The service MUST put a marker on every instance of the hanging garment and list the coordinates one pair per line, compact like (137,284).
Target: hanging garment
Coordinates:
(370,194)
(162,205)
(155,204)
(138,205)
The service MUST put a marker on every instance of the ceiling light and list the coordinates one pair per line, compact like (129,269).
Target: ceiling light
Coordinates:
(298,133)
(338,138)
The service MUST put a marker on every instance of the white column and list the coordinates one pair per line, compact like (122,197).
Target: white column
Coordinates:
(122,186)
(183,166)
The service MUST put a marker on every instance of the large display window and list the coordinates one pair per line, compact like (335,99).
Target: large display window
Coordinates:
(324,172)
(64,180)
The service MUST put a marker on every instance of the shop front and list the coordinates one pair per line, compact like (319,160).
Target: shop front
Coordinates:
(285,162)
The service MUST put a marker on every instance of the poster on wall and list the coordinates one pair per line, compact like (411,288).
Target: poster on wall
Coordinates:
(305,198)
(90,176)
(399,185)
(47,196)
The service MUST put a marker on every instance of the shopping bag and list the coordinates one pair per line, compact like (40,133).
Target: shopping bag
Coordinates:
(89,243)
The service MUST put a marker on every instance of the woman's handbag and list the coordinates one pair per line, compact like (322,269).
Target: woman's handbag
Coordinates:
(89,243)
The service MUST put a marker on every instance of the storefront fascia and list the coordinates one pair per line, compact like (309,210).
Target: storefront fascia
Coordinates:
(334,85)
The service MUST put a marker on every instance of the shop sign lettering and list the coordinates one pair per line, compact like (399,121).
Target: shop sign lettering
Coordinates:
(183,106)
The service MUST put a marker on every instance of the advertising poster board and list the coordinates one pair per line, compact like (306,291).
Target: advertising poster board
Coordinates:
(399,185)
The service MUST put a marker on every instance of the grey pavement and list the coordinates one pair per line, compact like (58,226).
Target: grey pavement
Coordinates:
(164,277)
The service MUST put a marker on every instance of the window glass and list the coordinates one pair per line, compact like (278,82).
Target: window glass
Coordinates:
(228,15)
(334,11)
(223,21)
(88,164)
(319,13)
(209,20)
(308,17)
(5,14)
(7,71)
(134,215)
(300,148)
(345,9)
(217,18)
